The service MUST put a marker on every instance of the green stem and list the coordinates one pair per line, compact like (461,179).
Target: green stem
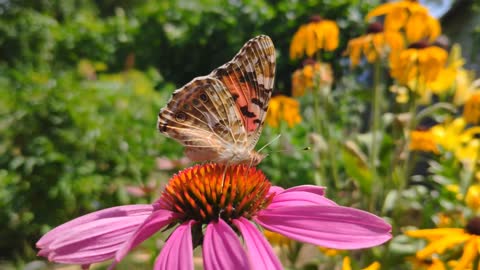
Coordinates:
(410,126)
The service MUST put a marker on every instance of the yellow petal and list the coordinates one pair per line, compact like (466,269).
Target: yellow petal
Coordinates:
(470,251)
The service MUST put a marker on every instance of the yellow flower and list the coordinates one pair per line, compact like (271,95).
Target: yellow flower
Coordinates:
(455,189)
(471,110)
(312,74)
(418,65)
(447,77)
(423,140)
(330,251)
(410,17)
(401,93)
(473,197)
(443,220)
(283,108)
(277,239)
(318,34)
(374,44)
(454,137)
(346,265)
(443,239)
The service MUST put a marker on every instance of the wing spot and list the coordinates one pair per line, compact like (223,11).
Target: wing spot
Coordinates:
(235,97)
(186,107)
(163,127)
(195,102)
(257,121)
(204,97)
(180,116)
(246,112)
(257,102)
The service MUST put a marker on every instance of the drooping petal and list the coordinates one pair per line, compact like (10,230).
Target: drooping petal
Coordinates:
(94,237)
(222,249)
(155,222)
(177,253)
(327,226)
(259,250)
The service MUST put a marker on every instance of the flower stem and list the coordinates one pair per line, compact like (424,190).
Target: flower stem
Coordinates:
(375,128)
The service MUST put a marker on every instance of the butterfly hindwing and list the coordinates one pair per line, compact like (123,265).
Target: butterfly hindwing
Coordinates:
(202,115)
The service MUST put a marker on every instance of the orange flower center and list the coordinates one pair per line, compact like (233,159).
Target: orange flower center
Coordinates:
(473,226)
(211,191)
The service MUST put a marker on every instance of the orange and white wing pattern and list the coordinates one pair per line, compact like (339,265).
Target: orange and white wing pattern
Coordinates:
(250,77)
(219,117)
(201,115)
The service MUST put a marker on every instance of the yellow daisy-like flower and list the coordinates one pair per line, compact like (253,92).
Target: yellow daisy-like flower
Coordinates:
(471,110)
(472,199)
(418,65)
(318,34)
(423,140)
(410,17)
(347,265)
(283,108)
(447,77)
(374,44)
(453,136)
(443,239)
(312,74)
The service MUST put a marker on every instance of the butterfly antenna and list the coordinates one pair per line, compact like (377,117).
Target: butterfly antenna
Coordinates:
(270,142)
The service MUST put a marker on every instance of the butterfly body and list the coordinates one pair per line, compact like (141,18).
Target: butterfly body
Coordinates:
(219,117)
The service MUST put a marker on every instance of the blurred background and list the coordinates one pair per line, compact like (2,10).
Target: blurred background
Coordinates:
(82,81)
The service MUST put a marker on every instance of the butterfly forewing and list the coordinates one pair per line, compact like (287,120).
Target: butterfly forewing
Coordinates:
(219,117)
(250,77)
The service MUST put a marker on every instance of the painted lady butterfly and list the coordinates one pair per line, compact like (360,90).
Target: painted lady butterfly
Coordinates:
(219,117)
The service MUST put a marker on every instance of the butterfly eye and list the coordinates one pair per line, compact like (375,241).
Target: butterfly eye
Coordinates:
(181,116)
(203,97)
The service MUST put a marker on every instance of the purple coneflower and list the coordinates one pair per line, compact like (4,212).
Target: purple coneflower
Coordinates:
(215,206)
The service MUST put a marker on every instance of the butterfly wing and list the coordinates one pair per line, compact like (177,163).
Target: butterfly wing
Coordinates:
(249,77)
(202,116)
(219,117)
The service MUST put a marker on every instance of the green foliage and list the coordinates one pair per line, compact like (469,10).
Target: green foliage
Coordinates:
(66,145)
(163,34)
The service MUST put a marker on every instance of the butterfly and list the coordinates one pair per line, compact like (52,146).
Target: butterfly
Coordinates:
(219,117)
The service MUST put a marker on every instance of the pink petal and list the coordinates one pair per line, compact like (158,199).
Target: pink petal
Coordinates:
(308,188)
(222,249)
(178,251)
(94,237)
(119,211)
(327,226)
(259,250)
(275,189)
(155,222)
(300,196)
